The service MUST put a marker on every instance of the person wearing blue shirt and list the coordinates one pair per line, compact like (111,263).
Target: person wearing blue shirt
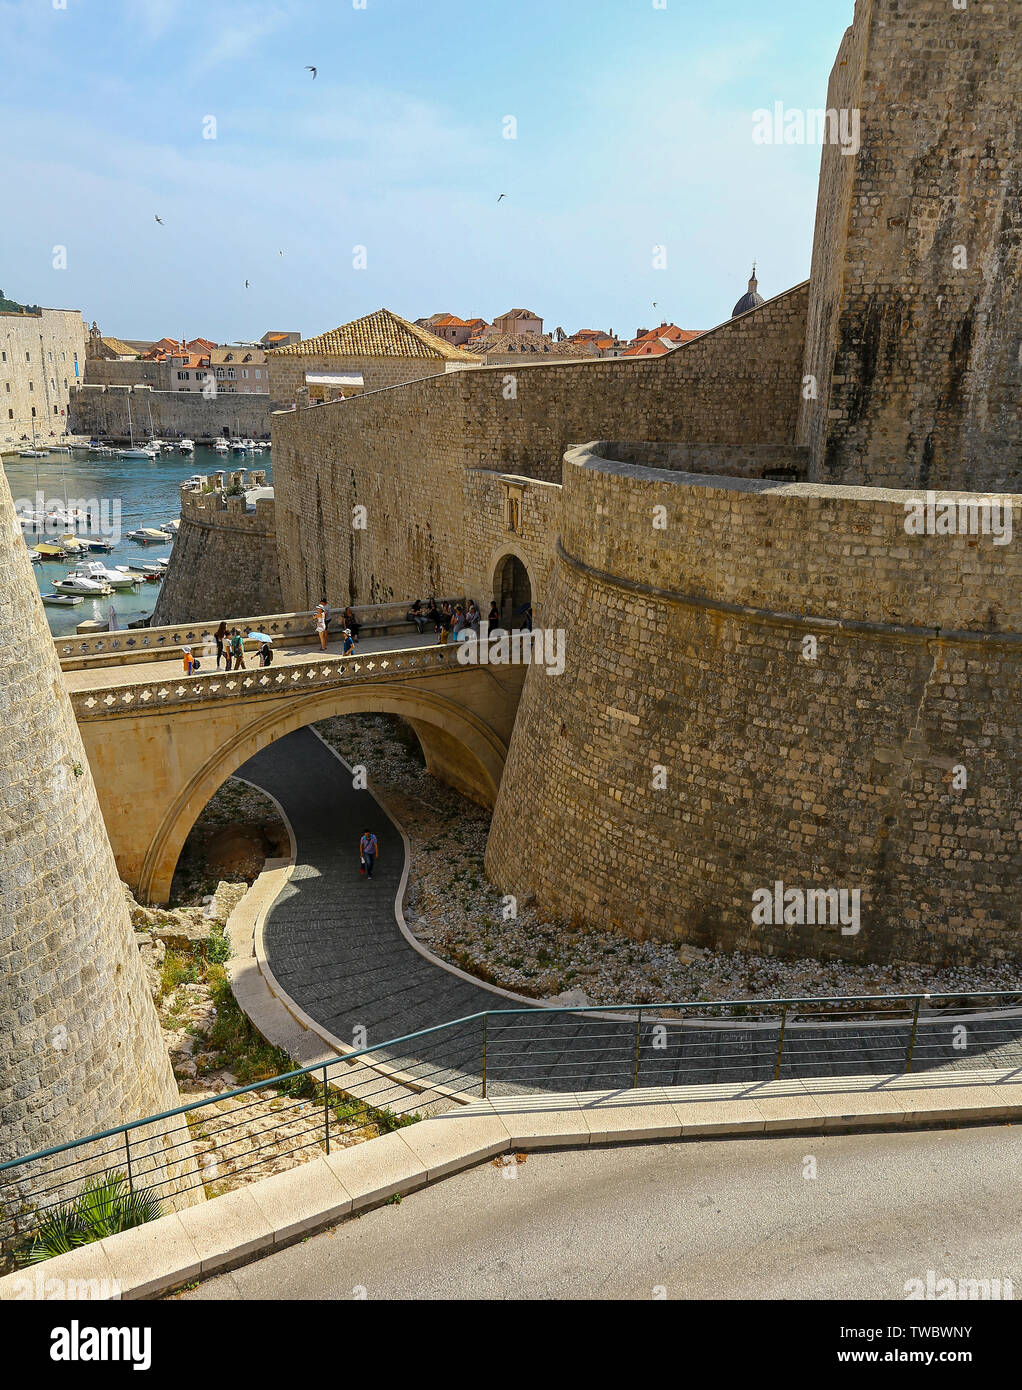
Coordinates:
(368,850)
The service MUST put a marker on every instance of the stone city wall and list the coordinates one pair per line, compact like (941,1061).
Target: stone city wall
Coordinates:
(287,372)
(835,767)
(402,453)
(101,412)
(917,260)
(224,561)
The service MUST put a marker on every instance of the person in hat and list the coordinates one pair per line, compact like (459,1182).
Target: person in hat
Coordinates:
(189,660)
(321,620)
(349,642)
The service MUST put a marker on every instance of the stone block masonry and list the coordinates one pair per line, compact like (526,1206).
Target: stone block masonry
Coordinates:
(80,1043)
(403,452)
(917,260)
(101,412)
(224,561)
(834,765)
(42,360)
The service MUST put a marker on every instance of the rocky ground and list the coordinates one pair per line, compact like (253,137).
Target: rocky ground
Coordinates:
(461,918)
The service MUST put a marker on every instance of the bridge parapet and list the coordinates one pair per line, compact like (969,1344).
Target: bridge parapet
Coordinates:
(140,697)
(130,645)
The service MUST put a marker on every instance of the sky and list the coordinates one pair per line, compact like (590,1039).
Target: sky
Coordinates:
(632,120)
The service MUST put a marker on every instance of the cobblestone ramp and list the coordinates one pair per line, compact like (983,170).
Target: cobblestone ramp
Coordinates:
(333,943)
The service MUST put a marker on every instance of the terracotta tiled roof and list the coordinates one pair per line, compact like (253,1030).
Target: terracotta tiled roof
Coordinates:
(122,349)
(382,334)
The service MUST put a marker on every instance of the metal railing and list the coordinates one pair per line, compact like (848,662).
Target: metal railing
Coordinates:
(246,1131)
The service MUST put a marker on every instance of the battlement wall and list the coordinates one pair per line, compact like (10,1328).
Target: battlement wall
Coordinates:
(224,560)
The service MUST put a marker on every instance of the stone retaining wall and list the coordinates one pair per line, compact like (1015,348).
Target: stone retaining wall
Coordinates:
(837,765)
(101,412)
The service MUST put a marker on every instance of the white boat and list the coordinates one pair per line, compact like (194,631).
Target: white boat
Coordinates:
(80,584)
(135,454)
(222,446)
(95,543)
(65,600)
(171,527)
(31,453)
(34,556)
(148,535)
(115,578)
(187,446)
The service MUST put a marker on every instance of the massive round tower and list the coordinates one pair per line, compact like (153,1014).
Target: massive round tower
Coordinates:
(80,1043)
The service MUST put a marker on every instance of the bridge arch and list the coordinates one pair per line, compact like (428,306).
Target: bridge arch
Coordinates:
(459,747)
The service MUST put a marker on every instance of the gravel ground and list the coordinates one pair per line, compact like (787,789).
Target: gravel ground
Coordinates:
(458,915)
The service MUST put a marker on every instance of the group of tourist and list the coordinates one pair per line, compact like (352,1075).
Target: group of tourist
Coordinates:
(349,632)
(449,621)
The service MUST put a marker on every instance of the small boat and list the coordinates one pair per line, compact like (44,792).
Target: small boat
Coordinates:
(148,535)
(135,454)
(31,453)
(113,578)
(187,446)
(46,551)
(34,556)
(98,545)
(171,527)
(79,584)
(222,446)
(65,600)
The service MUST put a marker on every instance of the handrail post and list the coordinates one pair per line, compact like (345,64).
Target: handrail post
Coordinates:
(780,1042)
(326,1108)
(638,1032)
(127,1154)
(912,1036)
(484,1055)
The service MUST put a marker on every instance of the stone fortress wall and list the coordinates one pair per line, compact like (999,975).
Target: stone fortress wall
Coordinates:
(101,412)
(405,453)
(917,259)
(42,358)
(685,652)
(80,1045)
(287,372)
(224,561)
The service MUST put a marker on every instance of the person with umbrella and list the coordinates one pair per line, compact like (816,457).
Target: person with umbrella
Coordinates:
(265,647)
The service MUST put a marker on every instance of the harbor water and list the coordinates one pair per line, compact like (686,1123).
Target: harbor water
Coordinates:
(147,493)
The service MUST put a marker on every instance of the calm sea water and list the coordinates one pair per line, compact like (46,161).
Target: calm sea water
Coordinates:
(148,492)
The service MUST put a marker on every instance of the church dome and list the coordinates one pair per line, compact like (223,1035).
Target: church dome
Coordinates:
(750,300)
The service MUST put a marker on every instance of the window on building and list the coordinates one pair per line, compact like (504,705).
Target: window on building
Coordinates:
(244,372)
(10,414)
(27,357)
(54,410)
(63,356)
(33,412)
(5,357)
(65,383)
(182,376)
(31,387)
(220,373)
(8,385)
(230,373)
(258,373)
(50,354)
(53,384)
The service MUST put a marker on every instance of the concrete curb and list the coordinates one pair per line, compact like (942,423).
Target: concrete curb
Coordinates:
(263,1216)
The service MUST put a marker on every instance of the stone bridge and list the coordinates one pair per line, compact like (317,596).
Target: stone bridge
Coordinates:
(160,744)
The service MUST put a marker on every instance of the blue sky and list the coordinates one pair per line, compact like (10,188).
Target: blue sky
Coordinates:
(633,130)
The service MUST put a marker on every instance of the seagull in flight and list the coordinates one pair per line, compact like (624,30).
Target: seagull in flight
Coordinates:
(309,68)
(159,219)
(503,195)
(280,253)
(246,284)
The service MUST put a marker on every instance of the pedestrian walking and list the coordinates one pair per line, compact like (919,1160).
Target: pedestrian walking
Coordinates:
(189,660)
(349,643)
(321,621)
(220,637)
(368,849)
(238,650)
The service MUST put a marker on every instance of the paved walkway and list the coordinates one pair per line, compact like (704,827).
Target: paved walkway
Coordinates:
(333,943)
(141,672)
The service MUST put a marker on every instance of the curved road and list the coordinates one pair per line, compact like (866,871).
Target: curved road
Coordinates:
(333,943)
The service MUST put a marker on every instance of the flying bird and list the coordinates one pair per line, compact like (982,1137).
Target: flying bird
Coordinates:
(503,195)
(308,68)
(159,219)
(280,253)
(246,284)
(654,303)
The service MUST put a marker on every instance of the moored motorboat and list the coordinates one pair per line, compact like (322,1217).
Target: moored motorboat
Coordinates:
(79,584)
(46,551)
(148,535)
(187,446)
(64,600)
(114,578)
